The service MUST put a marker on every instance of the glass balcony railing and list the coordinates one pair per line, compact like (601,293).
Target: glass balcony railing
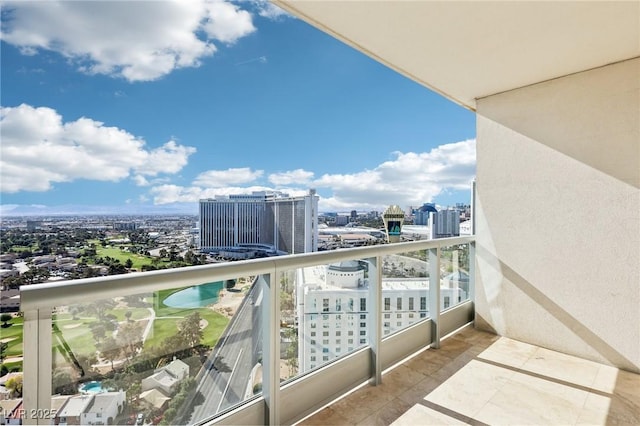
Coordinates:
(200,344)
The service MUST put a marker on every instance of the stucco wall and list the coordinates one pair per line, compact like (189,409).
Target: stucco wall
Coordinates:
(558,214)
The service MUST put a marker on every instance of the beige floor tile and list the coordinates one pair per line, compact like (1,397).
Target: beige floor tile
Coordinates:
(467,391)
(362,403)
(421,415)
(387,414)
(508,352)
(595,411)
(326,416)
(531,400)
(563,367)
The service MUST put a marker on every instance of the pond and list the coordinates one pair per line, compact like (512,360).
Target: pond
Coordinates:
(196,296)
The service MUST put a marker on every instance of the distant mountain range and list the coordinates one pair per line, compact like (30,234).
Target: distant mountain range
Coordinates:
(74,209)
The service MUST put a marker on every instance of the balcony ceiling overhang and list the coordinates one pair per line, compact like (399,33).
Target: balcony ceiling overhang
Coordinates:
(473,49)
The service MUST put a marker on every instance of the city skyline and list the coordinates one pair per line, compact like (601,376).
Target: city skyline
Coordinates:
(211,98)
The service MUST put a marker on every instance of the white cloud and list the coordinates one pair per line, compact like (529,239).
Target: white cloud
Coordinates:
(409,179)
(268,10)
(39,149)
(136,40)
(223,178)
(167,194)
(298,176)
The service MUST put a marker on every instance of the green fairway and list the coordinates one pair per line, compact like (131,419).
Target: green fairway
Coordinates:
(13,336)
(167,319)
(115,253)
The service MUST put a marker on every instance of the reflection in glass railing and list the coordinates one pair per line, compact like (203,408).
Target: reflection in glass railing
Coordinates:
(454,275)
(171,357)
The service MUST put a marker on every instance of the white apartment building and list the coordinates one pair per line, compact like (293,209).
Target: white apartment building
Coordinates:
(333,307)
(287,224)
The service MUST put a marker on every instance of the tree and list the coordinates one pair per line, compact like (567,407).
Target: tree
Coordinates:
(128,315)
(5,318)
(190,329)
(130,338)
(3,351)
(62,382)
(129,263)
(14,385)
(110,350)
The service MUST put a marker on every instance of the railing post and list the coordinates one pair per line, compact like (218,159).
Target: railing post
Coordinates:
(434,295)
(271,349)
(375,320)
(37,367)
(472,273)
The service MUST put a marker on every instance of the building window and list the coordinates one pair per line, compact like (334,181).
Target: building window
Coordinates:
(399,303)
(338,350)
(363,341)
(325,358)
(351,304)
(363,316)
(363,332)
(338,304)
(387,316)
(338,334)
(313,333)
(350,341)
(313,325)
(386,325)
(325,317)
(398,315)
(313,350)
(363,324)
(325,334)
(338,342)
(447,302)
(411,303)
(325,305)
(325,350)
(387,303)
(423,303)
(363,304)
(399,323)
(325,341)
(350,332)
(313,358)
(313,342)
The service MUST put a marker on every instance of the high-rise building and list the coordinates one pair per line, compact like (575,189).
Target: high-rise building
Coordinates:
(333,308)
(271,219)
(445,223)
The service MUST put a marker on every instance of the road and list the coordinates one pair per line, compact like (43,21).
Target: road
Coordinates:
(227,371)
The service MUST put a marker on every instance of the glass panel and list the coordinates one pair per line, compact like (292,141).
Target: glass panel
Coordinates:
(454,275)
(178,356)
(405,290)
(324,314)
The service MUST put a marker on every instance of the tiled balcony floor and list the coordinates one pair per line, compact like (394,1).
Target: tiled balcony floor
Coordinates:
(479,378)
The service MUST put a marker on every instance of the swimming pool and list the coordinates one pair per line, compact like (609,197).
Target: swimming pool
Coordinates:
(92,387)
(195,297)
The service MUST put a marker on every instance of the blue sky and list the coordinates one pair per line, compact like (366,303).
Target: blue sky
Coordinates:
(148,104)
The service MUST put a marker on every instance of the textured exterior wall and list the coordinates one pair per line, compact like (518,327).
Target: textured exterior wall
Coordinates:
(558,214)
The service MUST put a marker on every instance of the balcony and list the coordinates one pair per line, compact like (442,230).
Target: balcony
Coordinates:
(404,375)
(554,267)
(308,328)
